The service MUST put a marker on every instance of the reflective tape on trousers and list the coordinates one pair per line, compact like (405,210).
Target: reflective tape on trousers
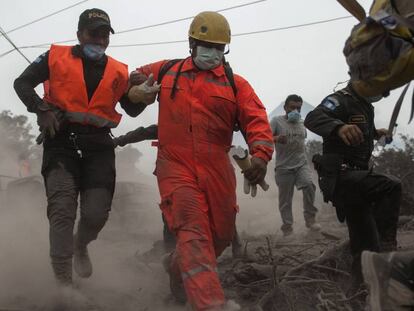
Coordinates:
(197,270)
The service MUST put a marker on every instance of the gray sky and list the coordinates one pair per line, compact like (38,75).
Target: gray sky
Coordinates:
(307,61)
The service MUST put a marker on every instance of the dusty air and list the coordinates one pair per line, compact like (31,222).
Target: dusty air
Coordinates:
(304,206)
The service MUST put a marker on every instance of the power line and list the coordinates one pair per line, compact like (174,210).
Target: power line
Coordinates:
(6,53)
(293,26)
(188,18)
(46,16)
(14,46)
(183,41)
(158,24)
(241,34)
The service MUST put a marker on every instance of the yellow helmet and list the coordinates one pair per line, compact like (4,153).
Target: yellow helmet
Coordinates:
(210,27)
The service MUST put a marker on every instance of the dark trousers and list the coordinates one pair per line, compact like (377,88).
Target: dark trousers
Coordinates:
(69,177)
(371,204)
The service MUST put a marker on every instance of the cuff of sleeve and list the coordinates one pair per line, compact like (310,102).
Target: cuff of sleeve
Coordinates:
(377,136)
(262,155)
(42,106)
(37,105)
(335,126)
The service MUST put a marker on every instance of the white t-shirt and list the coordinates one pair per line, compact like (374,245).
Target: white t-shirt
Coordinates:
(292,154)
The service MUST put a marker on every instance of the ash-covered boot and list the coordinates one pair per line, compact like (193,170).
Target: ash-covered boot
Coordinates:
(176,282)
(62,268)
(390,277)
(81,261)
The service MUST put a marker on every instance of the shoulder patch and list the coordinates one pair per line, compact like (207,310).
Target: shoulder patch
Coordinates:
(40,58)
(331,103)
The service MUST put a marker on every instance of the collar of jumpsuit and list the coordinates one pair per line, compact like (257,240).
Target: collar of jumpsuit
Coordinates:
(190,66)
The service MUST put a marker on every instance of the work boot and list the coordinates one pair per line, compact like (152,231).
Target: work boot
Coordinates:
(230,305)
(62,268)
(313,225)
(287,230)
(176,283)
(81,261)
(389,277)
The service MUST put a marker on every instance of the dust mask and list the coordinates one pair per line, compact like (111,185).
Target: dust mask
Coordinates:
(93,51)
(207,58)
(293,116)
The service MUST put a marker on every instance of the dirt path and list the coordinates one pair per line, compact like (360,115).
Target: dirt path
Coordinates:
(122,282)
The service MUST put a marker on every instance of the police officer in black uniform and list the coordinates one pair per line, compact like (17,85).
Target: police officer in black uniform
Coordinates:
(78,157)
(369,202)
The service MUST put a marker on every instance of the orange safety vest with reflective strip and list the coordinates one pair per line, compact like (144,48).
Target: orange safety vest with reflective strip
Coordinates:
(66,89)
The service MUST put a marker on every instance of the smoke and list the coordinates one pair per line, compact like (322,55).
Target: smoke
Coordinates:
(120,281)
(25,276)
(261,216)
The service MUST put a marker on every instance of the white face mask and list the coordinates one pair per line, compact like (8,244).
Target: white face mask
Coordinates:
(207,58)
(93,51)
(294,116)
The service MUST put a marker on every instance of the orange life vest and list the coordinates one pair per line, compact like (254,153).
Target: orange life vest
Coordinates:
(66,89)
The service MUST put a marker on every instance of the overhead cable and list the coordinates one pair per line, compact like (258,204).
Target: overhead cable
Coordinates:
(155,25)
(12,43)
(239,34)
(45,46)
(46,16)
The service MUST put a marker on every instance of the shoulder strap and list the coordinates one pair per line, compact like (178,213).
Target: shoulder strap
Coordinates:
(227,70)
(167,66)
(229,75)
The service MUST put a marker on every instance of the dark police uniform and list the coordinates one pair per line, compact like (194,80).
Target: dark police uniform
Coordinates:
(66,174)
(369,202)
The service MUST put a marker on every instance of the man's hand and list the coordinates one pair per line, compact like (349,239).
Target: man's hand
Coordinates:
(386,134)
(257,171)
(48,122)
(136,78)
(351,134)
(145,92)
(382,132)
(280,139)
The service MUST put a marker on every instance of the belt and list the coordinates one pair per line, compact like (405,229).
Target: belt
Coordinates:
(84,129)
(352,167)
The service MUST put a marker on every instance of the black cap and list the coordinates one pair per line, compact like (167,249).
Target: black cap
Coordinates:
(93,18)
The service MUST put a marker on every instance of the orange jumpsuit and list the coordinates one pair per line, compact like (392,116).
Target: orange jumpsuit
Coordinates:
(195,176)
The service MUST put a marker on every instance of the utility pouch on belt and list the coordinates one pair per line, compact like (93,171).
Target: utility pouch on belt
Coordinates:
(328,167)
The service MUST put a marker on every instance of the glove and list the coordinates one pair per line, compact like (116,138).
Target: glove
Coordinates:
(252,189)
(145,92)
(48,122)
(136,78)
(249,188)
(256,172)
(250,167)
